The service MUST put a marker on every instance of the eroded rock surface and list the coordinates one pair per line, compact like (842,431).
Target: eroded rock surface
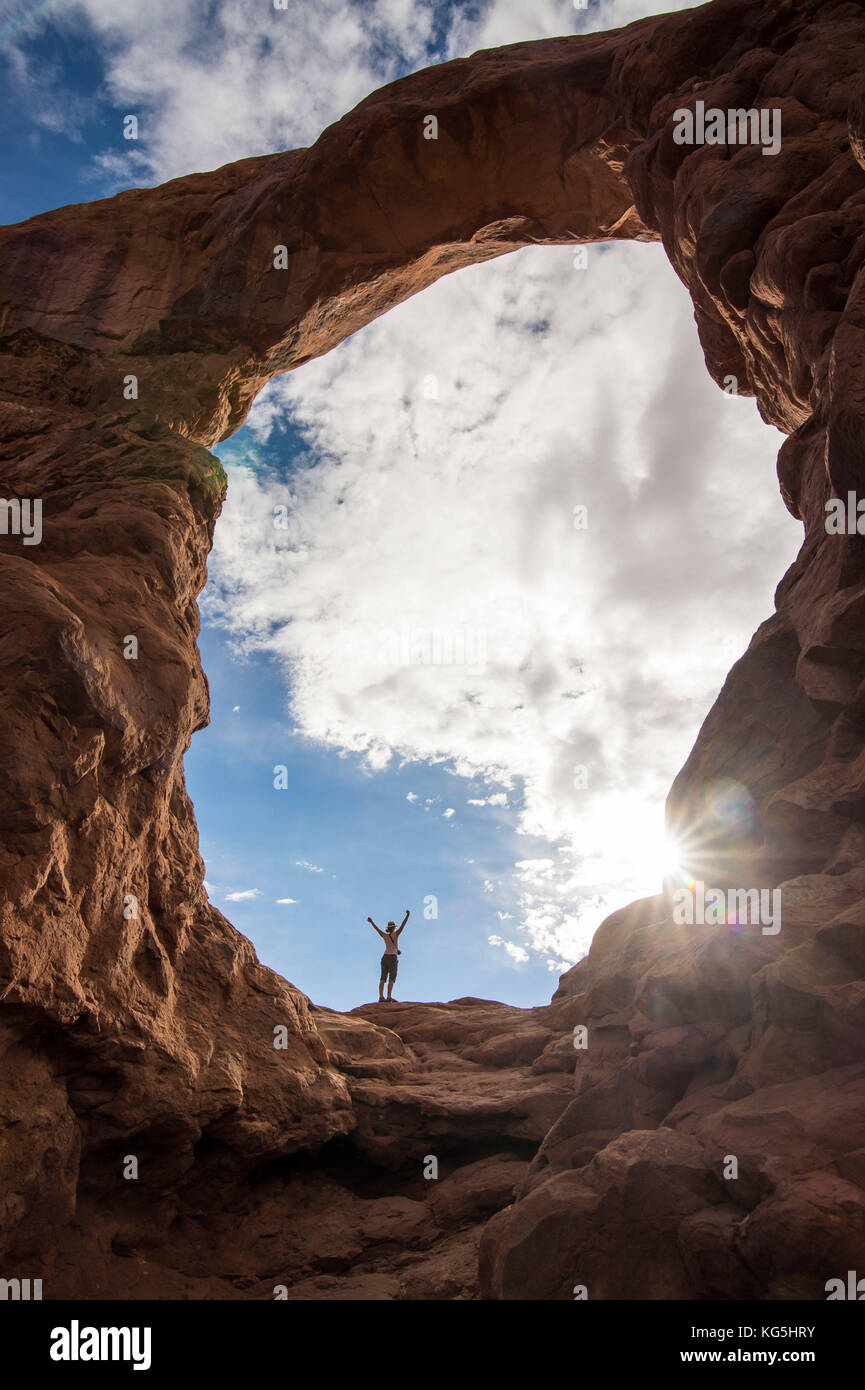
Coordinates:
(136,1020)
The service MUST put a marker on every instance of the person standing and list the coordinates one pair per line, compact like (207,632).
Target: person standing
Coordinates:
(389,961)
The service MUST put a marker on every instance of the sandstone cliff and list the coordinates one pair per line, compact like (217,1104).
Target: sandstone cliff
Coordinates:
(136,1020)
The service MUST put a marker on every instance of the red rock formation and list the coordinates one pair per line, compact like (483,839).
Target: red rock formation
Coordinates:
(135,1019)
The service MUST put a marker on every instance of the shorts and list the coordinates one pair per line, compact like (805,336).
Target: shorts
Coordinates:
(389,966)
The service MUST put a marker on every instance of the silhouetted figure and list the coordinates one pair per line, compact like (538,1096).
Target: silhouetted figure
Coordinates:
(389,962)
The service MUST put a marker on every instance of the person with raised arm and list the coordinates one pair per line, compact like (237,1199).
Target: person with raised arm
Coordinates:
(389,962)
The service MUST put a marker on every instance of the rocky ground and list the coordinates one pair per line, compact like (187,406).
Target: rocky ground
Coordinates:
(473,1085)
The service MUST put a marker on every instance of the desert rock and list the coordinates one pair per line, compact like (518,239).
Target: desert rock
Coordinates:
(135,1019)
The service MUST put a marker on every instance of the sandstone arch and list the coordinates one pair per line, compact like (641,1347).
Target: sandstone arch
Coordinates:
(155,1029)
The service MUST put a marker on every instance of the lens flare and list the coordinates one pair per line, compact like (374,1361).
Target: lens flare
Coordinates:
(730,806)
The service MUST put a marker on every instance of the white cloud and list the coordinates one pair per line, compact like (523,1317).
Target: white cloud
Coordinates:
(602,648)
(219,82)
(410,796)
(286,900)
(448,813)
(244,896)
(215,83)
(235,709)
(517,953)
(310,868)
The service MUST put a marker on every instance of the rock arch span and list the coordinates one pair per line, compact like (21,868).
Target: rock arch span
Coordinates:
(150,1031)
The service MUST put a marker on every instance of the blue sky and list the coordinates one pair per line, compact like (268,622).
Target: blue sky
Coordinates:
(43,167)
(430,467)
(345,844)
(345,841)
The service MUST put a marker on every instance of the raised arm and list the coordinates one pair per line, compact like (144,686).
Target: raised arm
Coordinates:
(372,924)
(402,923)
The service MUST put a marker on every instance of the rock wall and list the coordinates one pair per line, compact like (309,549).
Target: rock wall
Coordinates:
(136,1020)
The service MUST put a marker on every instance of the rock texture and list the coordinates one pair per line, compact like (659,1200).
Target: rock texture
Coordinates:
(136,1021)
(354,1217)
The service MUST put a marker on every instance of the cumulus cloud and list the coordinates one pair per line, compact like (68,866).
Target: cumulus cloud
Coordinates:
(218,82)
(516,952)
(483,629)
(286,900)
(244,896)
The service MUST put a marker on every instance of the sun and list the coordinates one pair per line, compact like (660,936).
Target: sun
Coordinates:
(663,857)
(658,854)
(671,858)
(640,843)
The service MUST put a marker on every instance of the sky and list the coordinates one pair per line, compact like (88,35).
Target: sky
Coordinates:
(481,570)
